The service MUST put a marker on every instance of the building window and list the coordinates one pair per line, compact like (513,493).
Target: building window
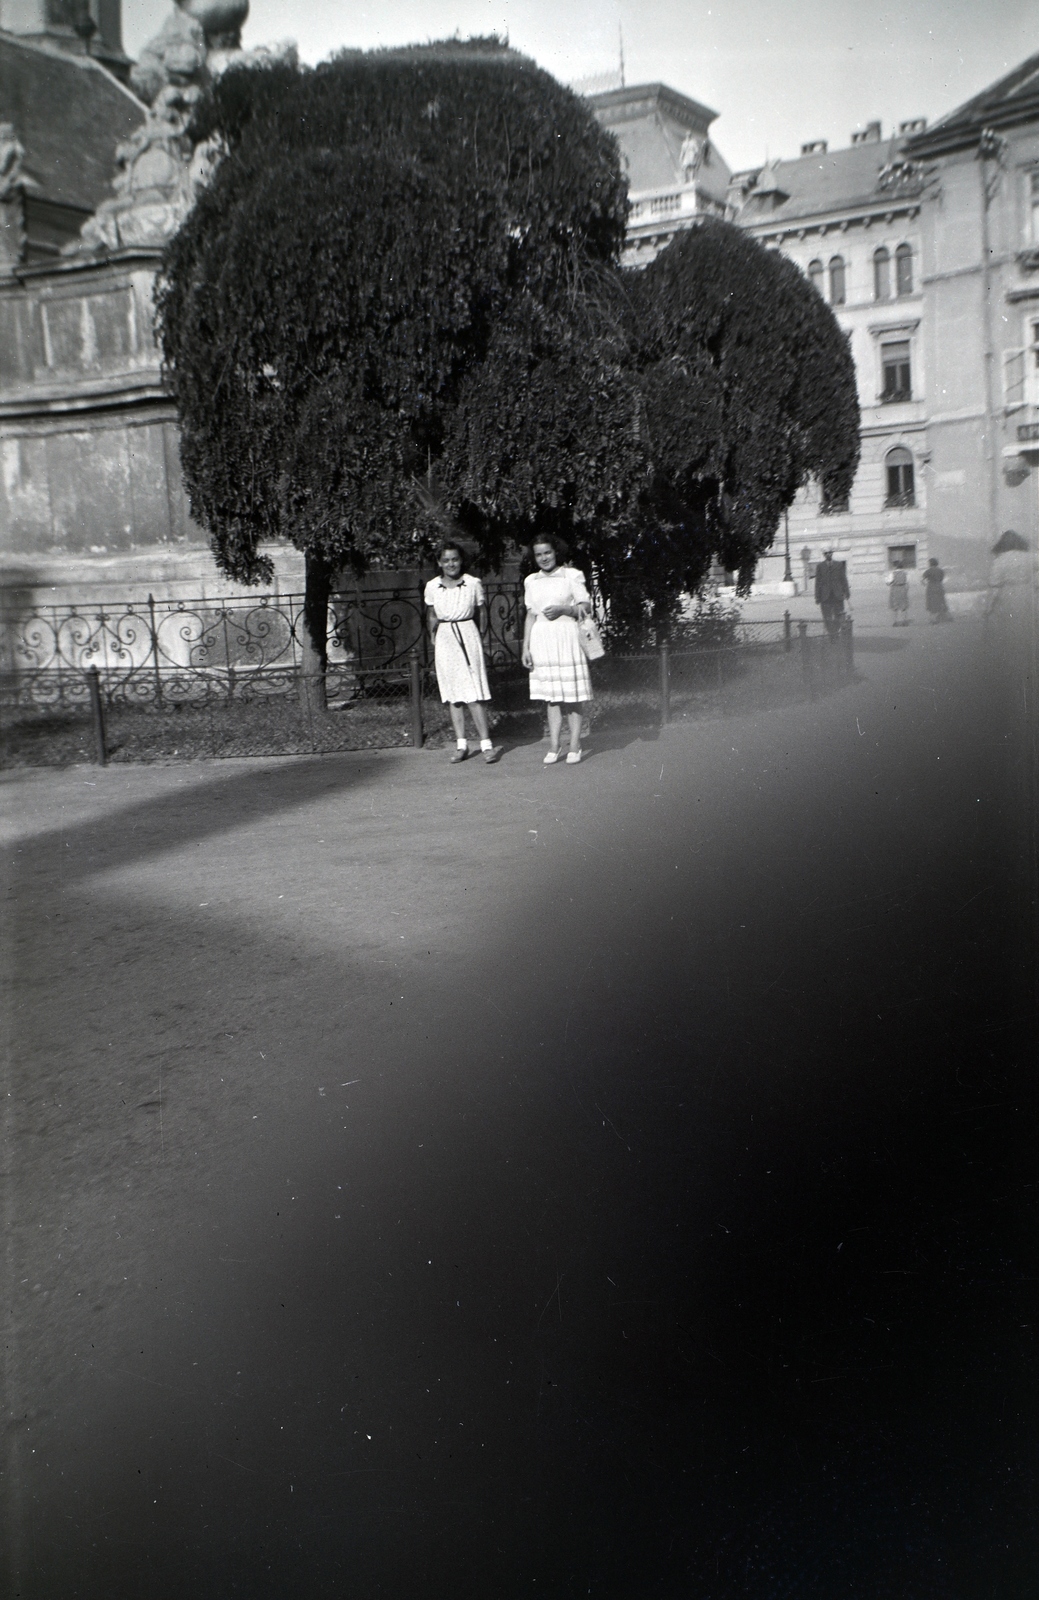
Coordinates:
(899,468)
(903,270)
(1033,207)
(881,274)
(836,280)
(833,506)
(897,378)
(815,275)
(901,556)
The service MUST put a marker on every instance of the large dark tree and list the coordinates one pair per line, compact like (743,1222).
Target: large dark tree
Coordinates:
(399,299)
(376,226)
(747,389)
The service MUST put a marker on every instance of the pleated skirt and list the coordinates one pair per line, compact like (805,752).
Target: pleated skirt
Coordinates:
(560,671)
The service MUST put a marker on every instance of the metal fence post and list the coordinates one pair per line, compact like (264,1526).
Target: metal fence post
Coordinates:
(806,666)
(665,682)
(98,710)
(155,650)
(787,632)
(415,690)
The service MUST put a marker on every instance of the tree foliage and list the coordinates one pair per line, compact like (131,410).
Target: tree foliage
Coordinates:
(376,225)
(747,387)
(405,272)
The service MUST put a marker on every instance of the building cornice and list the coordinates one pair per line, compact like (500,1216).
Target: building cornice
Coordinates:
(116,393)
(880,330)
(68,266)
(624,104)
(824,223)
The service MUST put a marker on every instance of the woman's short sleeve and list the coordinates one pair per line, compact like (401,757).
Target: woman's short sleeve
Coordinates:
(577,584)
(429,593)
(479,598)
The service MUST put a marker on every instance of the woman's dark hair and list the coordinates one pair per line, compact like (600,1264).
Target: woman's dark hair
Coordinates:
(452,544)
(1009,541)
(560,546)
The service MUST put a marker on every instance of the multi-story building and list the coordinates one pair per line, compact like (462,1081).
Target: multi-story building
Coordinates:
(980,169)
(926,244)
(852,221)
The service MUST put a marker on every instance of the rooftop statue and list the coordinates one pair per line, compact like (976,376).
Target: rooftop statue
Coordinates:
(158,169)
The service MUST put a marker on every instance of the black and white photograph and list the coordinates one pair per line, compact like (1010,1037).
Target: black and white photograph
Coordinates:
(519,628)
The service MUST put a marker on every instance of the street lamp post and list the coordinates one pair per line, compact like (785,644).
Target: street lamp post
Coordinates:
(788,576)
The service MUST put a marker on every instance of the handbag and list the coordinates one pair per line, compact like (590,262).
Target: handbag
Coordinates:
(591,639)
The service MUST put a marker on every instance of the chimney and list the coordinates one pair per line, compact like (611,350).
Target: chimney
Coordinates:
(814,147)
(870,134)
(913,125)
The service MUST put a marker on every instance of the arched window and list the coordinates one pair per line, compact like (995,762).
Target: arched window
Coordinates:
(903,270)
(881,274)
(836,280)
(815,275)
(900,488)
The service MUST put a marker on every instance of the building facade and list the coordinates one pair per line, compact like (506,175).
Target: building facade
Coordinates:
(93,178)
(926,245)
(852,221)
(980,166)
(675,173)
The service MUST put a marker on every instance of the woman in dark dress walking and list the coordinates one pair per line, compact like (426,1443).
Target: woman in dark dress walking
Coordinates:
(933,579)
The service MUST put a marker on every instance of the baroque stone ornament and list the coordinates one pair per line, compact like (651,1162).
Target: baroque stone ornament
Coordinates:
(15,183)
(691,156)
(158,169)
(12,154)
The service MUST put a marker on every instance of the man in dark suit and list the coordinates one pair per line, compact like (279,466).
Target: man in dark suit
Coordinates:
(831,591)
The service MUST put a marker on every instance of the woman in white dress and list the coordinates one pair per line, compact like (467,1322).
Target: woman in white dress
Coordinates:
(557,599)
(456,610)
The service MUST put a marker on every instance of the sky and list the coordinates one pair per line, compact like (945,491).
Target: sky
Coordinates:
(778,72)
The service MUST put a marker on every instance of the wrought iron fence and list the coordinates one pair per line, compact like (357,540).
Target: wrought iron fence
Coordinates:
(179,678)
(159,653)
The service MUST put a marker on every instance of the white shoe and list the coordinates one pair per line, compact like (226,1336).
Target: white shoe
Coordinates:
(551,758)
(573,757)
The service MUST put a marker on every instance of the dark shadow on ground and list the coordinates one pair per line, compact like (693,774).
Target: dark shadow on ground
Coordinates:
(222,800)
(669,1239)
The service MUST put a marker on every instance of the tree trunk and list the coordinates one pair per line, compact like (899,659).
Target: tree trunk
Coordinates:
(314,636)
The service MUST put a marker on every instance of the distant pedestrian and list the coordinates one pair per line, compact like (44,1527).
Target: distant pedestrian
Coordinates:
(1012,603)
(456,610)
(933,579)
(557,599)
(831,591)
(898,596)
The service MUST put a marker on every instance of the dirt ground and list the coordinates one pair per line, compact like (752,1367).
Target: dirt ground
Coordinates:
(486,1181)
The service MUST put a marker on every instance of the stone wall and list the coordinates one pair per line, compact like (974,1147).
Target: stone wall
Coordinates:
(91,496)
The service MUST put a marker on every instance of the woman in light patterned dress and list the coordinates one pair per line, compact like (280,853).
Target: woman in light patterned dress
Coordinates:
(557,599)
(453,601)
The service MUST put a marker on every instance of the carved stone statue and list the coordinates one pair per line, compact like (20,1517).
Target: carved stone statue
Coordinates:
(691,156)
(13,186)
(158,170)
(12,153)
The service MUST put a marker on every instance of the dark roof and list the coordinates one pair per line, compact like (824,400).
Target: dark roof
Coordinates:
(826,181)
(640,97)
(650,123)
(69,114)
(1011,99)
